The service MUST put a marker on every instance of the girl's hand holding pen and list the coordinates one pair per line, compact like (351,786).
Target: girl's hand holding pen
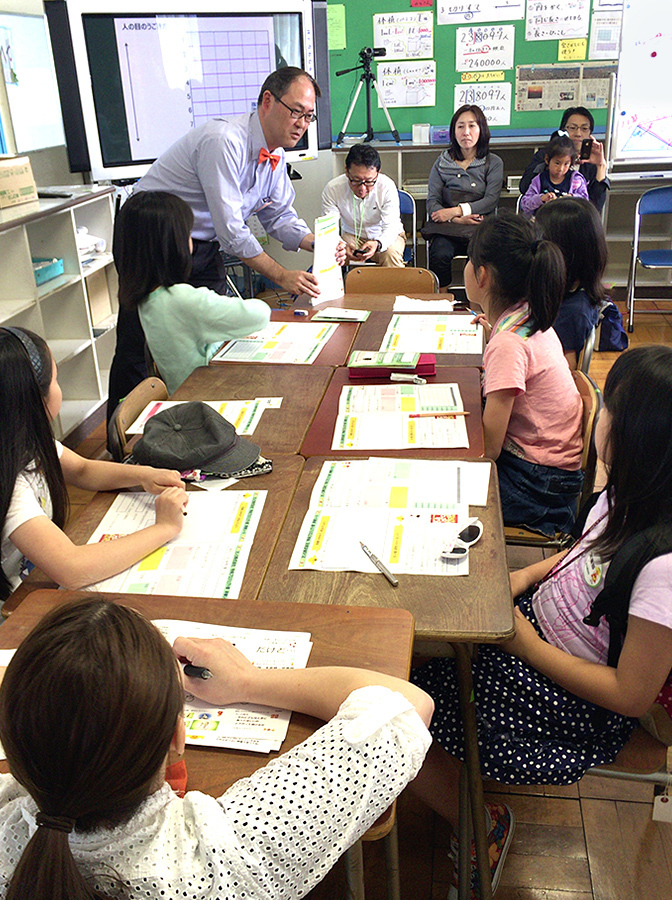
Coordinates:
(171,507)
(479,319)
(231,670)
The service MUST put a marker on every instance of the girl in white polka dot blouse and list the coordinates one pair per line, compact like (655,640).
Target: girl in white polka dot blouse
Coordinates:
(90,705)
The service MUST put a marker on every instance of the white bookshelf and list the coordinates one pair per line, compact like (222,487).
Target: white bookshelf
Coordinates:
(76,311)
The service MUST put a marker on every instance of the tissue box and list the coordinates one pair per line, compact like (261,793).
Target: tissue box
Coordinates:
(439,134)
(46,269)
(17,184)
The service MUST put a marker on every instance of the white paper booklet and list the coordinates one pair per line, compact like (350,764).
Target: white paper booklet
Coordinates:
(399,417)
(434,334)
(279,342)
(244,415)
(208,557)
(325,268)
(245,726)
(405,511)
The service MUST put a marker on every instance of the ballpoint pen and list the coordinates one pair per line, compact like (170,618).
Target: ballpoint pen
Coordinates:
(197,672)
(379,565)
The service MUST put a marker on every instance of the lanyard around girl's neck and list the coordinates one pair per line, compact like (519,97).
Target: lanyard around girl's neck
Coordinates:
(569,558)
(518,321)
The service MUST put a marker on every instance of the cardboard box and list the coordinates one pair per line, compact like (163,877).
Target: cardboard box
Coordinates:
(17,184)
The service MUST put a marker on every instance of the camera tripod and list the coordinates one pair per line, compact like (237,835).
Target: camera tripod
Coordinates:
(368,78)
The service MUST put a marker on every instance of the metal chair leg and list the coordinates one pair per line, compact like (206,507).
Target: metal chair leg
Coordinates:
(467,708)
(391,843)
(354,872)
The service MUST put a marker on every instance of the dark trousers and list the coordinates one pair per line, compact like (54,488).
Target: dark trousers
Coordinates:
(442,249)
(128,366)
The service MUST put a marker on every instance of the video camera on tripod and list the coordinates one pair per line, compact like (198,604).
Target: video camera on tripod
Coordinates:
(366,54)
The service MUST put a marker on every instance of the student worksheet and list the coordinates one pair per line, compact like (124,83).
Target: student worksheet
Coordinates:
(434,334)
(244,415)
(242,726)
(406,511)
(208,557)
(279,342)
(399,417)
(325,268)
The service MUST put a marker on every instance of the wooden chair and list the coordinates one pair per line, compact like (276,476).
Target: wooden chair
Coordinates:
(642,759)
(384,280)
(128,411)
(591,397)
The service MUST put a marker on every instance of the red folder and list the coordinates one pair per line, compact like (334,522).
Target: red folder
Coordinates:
(426,366)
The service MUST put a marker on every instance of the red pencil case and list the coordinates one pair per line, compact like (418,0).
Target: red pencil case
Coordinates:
(426,366)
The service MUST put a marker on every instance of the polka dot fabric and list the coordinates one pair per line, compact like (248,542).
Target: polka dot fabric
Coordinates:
(272,836)
(530,730)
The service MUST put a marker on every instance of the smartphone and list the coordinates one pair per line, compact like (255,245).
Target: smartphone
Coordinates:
(586,148)
(358,253)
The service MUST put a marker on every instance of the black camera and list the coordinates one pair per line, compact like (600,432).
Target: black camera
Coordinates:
(367,53)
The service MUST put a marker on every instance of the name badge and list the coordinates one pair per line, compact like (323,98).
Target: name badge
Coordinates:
(593,569)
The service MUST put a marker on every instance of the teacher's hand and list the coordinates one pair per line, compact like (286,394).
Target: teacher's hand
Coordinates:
(341,253)
(442,215)
(300,282)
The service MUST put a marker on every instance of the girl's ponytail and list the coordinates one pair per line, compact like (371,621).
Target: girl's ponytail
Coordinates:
(47,868)
(545,283)
(523,267)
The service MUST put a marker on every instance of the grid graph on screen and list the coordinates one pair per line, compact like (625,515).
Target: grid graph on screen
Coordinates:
(234,66)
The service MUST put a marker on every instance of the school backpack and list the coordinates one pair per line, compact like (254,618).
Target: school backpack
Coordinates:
(612,334)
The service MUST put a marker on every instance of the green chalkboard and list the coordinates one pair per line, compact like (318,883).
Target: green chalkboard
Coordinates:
(358,33)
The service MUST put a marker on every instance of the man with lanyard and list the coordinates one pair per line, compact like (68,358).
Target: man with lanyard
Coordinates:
(368,203)
(226,170)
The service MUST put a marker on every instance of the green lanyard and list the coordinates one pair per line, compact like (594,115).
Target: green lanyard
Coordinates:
(358,230)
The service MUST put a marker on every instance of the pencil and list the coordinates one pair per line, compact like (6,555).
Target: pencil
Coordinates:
(439,415)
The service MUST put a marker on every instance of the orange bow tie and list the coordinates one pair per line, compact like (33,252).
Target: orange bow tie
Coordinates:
(265,156)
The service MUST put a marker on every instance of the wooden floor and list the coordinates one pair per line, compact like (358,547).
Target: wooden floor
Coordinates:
(591,840)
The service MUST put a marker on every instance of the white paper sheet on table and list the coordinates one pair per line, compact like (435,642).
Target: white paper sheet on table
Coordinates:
(434,334)
(207,559)
(399,417)
(406,541)
(402,303)
(244,415)
(245,726)
(280,342)
(401,483)
(338,314)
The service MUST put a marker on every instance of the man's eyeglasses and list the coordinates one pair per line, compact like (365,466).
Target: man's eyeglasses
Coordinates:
(297,114)
(578,129)
(367,182)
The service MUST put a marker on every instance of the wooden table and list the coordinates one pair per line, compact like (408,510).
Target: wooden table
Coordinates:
(320,434)
(449,612)
(371,333)
(280,484)
(280,430)
(334,353)
(376,639)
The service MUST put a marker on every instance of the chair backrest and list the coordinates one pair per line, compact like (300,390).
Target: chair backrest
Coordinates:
(384,280)
(407,208)
(657,200)
(591,397)
(128,411)
(586,354)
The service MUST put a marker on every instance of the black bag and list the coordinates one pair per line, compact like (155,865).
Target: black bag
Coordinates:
(612,333)
(454,198)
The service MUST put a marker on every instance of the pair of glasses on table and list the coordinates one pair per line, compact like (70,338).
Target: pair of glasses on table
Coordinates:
(470,534)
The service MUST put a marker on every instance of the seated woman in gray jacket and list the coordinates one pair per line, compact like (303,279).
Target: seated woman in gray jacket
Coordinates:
(464,186)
